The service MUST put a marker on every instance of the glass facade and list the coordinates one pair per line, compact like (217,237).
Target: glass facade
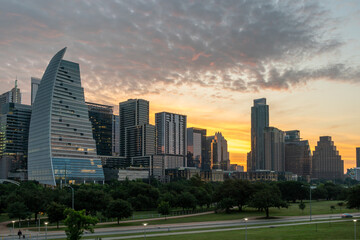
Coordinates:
(60,128)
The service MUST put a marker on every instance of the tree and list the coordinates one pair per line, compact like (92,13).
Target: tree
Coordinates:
(164,208)
(302,206)
(227,204)
(119,209)
(76,222)
(187,200)
(267,196)
(332,208)
(55,212)
(340,204)
(18,210)
(353,199)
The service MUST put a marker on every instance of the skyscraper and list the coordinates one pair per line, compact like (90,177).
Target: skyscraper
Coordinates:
(358,157)
(116,135)
(171,139)
(35,82)
(140,140)
(132,112)
(12,96)
(61,143)
(101,118)
(14,133)
(326,162)
(259,121)
(196,144)
(274,141)
(218,151)
(297,154)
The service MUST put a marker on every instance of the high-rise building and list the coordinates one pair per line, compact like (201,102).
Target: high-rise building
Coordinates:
(35,82)
(358,157)
(140,140)
(259,121)
(274,142)
(12,96)
(61,143)
(101,118)
(14,133)
(132,112)
(196,147)
(326,162)
(297,154)
(248,162)
(171,139)
(116,135)
(219,155)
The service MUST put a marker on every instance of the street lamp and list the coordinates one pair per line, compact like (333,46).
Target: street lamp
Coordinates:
(46,223)
(72,195)
(355,229)
(311,187)
(145,224)
(13,222)
(246,228)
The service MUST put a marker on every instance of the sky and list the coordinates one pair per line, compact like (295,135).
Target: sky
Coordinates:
(205,59)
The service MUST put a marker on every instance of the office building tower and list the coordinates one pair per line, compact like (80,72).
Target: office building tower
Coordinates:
(274,142)
(116,135)
(140,140)
(259,121)
(358,157)
(61,144)
(248,162)
(326,161)
(35,82)
(12,96)
(171,139)
(196,147)
(218,151)
(132,112)
(101,118)
(297,154)
(14,133)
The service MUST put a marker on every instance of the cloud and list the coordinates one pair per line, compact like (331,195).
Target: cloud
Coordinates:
(132,46)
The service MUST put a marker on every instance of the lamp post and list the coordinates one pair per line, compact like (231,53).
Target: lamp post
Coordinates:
(311,187)
(355,229)
(246,228)
(13,222)
(46,223)
(145,224)
(72,195)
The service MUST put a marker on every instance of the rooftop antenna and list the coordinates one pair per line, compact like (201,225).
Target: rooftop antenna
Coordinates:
(16,82)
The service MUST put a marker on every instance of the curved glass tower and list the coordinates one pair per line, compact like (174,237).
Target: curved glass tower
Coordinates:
(61,144)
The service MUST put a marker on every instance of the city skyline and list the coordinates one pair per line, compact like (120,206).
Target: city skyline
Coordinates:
(311,85)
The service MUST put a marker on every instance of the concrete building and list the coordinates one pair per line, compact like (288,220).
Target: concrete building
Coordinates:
(12,96)
(326,162)
(35,82)
(140,141)
(101,118)
(297,154)
(61,144)
(14,134)
(132,112)
(196,147)
(274,143)
(218,152)
(259,121)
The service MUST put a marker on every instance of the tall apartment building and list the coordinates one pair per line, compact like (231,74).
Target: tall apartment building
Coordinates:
(35,82)
(358,157)
(218,152)
(12,96)
(196,147)
(259,121)
(14,134)
(132,112)
(61,144)
(326,162)
(140,141)
(274,142)
(297,154)
(171,140)
(101,118)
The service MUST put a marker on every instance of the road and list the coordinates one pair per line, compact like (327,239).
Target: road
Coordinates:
(194,227)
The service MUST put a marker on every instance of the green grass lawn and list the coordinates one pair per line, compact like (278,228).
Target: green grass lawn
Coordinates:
(343,230)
